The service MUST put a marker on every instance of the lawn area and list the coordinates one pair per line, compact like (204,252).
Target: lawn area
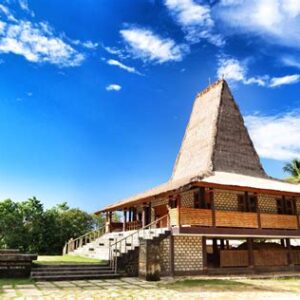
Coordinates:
(65,259)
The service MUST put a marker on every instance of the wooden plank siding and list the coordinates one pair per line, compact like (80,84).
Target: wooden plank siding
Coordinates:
(236,219)
(278,221)
(195,216)
(262,257)
(233,258)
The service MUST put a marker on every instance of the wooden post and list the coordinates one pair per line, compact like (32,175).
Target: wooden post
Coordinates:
(171,255)
(250,253)
(258,213)
(213,209)
(227,244)
(204,253)
(215,253)
(124,219)
(289,255)
(178,207)
(144,215)
(222,244)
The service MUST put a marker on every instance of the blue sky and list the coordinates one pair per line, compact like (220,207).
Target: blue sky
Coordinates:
(95,95)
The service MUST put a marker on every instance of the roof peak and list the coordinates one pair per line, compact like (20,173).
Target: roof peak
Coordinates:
(211,86)
(216,138)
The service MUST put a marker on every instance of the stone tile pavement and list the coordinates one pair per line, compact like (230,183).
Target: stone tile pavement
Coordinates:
(125,288)
(128,288)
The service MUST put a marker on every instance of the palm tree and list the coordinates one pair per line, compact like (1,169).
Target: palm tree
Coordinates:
(293,168)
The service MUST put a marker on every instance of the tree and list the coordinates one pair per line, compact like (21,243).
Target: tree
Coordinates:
(28,227)
(63,223)
(11,225)
(293,168)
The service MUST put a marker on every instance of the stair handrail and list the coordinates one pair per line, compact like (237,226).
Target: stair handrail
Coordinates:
(73,244)
(113,247)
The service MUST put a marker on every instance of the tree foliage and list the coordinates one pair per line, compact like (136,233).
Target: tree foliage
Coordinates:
(29,227)
(293,169)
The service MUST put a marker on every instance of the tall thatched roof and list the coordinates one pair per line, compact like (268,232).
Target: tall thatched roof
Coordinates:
(216,138)
(216,151)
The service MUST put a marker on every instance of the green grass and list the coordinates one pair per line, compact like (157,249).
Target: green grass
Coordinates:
(202,282)
(15,281)
(65,259)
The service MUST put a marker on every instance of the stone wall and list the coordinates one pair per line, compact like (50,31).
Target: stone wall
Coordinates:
(188,254)
(267,203)
(225,200)
(187,199)
(164,250)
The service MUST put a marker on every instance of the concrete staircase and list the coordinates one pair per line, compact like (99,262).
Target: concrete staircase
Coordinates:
(119,249)
(125,241)
(72,272)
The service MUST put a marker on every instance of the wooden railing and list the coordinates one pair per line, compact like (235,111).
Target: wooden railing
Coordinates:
(278,221)
(82,240)
(235,219)
(133,225)
(195,216)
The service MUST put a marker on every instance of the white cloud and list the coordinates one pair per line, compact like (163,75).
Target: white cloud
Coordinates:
(289,79)
(290,61)
(87,44)
(276,137)
(277,21)
(195,20)
(6,12)
(36,42)
(113,62)
(146,45)
(113,87)
(24,5)
(235,71)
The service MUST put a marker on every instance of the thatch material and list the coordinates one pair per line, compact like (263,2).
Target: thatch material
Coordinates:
(216,149)
(216,138)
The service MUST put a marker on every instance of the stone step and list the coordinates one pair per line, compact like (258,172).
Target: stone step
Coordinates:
(70,266)
(70,272)
(75,277)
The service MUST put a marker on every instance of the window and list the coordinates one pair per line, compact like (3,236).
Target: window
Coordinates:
(247,203)
(286,206)
(172,202)
(202,199)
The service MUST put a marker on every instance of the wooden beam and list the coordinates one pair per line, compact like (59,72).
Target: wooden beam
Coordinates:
(244,232)
(250,253)
(213,209)
(124,219)
(289,255)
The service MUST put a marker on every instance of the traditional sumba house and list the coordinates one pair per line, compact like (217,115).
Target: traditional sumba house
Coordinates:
(222,210)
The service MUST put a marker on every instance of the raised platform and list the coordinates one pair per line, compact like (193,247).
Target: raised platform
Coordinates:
(14,264)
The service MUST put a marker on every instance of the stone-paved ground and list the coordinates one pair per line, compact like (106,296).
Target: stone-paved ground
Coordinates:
(134,288)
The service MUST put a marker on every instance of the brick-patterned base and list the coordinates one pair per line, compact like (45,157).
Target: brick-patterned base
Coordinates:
(188,254)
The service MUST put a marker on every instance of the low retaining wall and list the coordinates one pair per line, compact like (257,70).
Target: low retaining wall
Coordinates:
(14,264)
